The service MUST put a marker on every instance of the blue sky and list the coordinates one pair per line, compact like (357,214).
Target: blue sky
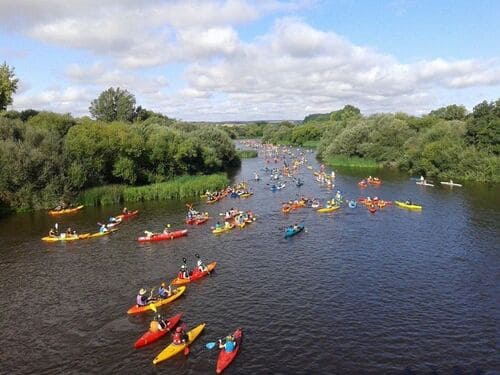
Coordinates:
(247,60)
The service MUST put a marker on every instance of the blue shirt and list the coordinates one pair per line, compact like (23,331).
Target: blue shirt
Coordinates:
(229,346)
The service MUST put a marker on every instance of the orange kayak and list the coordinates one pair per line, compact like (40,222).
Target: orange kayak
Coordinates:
(194,275)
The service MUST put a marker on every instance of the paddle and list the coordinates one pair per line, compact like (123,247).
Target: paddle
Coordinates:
(210,345)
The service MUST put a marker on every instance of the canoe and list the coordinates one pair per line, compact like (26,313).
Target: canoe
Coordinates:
(164,236)
(223,229)
(66,238)
(225,358)
(293,232)
(126,216)
(423,183)
(176,293)
(150,337)
(65,211)
(100,234)
(408,206)
(174,349)
(450,183)
(327,209)
(194,275)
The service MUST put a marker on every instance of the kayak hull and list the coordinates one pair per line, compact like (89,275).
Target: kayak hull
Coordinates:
(294,232)
(101,234)
(150,337)
(164,236)
(141,309)
(225,358)
(69,238)
(126,216)
(450,183)
(223,229)
(408,206)
(65,211)
(327,209)
(195,275)
(173,349)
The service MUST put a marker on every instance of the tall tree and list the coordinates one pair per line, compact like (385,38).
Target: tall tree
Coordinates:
(8,85)
(113,105)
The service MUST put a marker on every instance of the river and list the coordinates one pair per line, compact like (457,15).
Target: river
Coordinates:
(357,293)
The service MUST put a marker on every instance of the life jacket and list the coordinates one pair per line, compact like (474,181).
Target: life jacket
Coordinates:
(177,338)
(141,300)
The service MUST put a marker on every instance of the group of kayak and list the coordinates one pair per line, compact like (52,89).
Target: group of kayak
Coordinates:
(71,235)
(182,337)
(233,218)
(369,181)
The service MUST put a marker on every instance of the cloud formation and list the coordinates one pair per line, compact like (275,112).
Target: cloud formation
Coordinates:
(287,72)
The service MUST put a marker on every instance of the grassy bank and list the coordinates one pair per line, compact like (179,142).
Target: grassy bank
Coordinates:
(177,188)
(247,154)
(311,144)
(342,161)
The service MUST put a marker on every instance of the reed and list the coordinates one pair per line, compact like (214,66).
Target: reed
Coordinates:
(247,154)
(177,188)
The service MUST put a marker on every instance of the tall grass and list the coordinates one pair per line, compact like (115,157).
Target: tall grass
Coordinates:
(344,161)
(311,144)
(247,154)
(177,188)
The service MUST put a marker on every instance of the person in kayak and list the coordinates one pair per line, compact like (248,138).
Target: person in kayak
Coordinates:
(148,233)
(199,264)
(125,211)
(164,291)
(408,201)
(229,344)
(142,299)
(179,337)
(103,228)
(52,233)
(166,230)
(158,324)
(183,273)
(218,225)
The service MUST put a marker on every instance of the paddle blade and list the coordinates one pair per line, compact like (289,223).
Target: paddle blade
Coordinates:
(186,350)
(210,345)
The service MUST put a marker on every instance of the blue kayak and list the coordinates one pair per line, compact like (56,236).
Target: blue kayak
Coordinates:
(353,204)
(289,232)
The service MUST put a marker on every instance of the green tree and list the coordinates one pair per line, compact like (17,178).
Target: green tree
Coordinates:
(451,112)
(113,105)
(8,85)
(483,128)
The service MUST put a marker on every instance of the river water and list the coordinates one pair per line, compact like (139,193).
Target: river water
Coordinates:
(358,293)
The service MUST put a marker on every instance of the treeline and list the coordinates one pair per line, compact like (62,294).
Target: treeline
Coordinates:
(46,158)
(446,143)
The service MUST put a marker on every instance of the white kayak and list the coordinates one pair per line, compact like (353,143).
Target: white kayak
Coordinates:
(423,183)
(450,183)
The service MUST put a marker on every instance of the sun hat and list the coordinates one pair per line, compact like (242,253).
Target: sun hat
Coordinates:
(142,291)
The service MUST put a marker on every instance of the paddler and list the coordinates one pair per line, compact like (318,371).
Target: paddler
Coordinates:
(183,273)
(125,211)
(199,264)
(142,299)
(158,324)
(229,344)
(52,233)
(164,291)
(179,336)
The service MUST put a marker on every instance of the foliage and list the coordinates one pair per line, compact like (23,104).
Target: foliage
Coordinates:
(483,128)
(8,85)
(177,188)
(247,154)
(114,105)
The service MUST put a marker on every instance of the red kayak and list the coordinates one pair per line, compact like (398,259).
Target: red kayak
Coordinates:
(225,358)
(150,337)
(194,275)
(164,236)
(196,220)
(127,215)
(200,221)
(372,209)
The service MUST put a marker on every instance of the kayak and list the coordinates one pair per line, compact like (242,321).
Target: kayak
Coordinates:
(174,349)
(223,229)
(327,209)
(127,215)
(140,309)
(65,211)
(286,209)
(246,195)
(197,220)
(164,236)
(150,336)
(408,206)
(100,234)
(352,204)
(113,223)
(194,275)
(450,183)
(225,358)
(423,183)
(293,232)
(372,209)
(66,238)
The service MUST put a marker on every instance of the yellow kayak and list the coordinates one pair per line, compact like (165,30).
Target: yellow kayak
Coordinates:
(140,309)
(327,209)
(246,195)
(100,234)
(222,229)
(65,211)
(408,206)
(174,349)
(66,238)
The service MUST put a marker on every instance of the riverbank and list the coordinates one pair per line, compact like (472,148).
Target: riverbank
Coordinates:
(247,154)
(177,188)
(343,161)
